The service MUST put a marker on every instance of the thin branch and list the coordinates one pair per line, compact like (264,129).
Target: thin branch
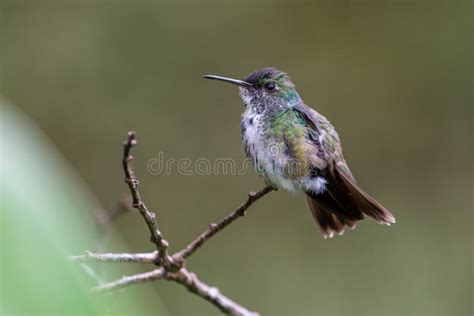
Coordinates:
(149,257)
(211,294)
(215,228)
(172,267)
(132,279)
(186,279)
(149,217)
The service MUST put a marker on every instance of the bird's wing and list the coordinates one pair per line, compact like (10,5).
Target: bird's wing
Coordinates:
(325,138)
(342,196)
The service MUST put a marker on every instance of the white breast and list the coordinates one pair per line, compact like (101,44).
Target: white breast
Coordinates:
(265,156)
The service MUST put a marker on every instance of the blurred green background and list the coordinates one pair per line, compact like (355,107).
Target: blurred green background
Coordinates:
(395,78)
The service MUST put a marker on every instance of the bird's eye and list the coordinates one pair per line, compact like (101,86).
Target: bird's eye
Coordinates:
(270,86)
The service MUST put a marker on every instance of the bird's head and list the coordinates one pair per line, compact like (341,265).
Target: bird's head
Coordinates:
(265,89)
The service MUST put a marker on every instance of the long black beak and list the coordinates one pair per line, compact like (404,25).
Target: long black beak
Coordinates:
(238,82)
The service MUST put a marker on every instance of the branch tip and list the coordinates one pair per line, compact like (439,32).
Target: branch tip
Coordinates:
(149,217)
(215,228)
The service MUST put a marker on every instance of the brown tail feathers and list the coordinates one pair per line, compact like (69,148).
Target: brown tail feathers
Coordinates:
(342,204)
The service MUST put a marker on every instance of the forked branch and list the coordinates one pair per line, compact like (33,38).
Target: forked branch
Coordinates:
(170,268)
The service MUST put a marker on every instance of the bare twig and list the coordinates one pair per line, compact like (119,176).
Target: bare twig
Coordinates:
(211,294)
(132,279)
(188,280)
(149,217)
(172,267)
(215,228)
(149,257)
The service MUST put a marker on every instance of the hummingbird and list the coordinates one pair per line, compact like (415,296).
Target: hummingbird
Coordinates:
(295,148)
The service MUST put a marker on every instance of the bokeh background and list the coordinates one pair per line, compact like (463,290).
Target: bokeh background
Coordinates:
(394,77)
